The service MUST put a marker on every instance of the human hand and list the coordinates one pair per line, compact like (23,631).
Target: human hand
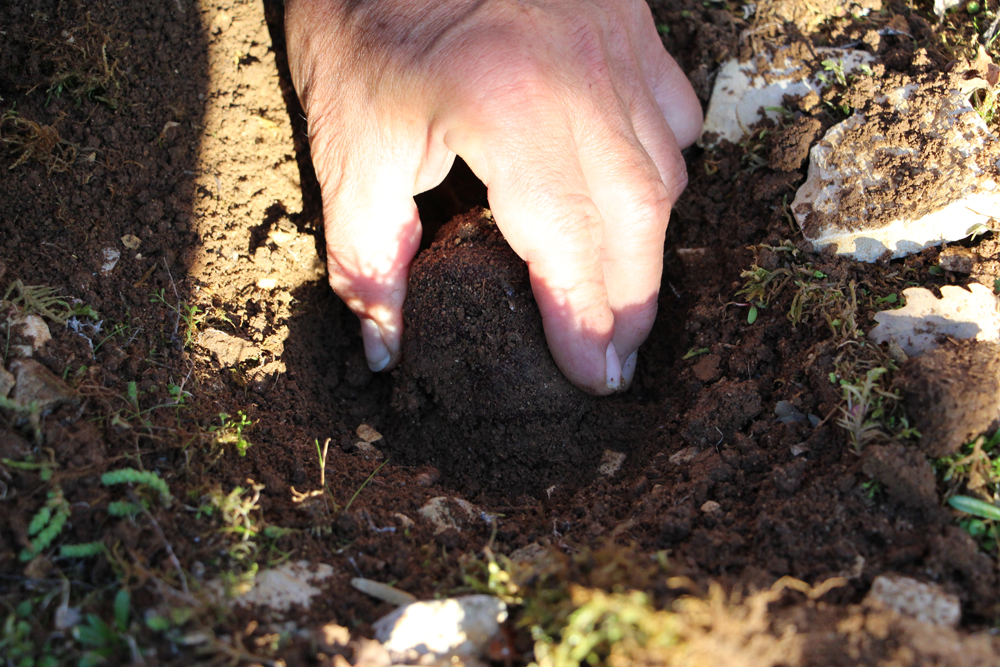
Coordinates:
(571,113)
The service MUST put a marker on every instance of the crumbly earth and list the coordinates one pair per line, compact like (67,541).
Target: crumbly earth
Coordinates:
(174,124)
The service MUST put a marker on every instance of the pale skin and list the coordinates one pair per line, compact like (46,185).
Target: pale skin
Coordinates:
(570,111)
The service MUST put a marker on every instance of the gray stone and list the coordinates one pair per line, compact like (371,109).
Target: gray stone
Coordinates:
(958,260)
(6,382)
(36,384)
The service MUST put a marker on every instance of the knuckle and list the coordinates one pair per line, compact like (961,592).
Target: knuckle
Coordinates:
(676,181)
(653,195)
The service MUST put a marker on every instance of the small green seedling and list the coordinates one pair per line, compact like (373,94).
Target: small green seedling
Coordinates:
(975,507)
(190,315)
(836,67)
(85,550)
(100,641)
(872,488)
(46,525)
(235,509)
(231,432)
(364,484)
(46,302)
(980,229)
(124,509)
(322,452)
(144,477)
(787,113)
(17,640)
(865,406)
(44,469)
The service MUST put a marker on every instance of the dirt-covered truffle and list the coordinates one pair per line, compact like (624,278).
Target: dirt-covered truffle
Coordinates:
(477,369)
(951,393)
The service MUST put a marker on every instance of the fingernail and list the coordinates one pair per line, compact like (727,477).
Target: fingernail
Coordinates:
(628,370)
(614,368)
(376,351)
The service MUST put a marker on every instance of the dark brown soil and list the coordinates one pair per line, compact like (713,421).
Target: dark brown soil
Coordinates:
(175,122)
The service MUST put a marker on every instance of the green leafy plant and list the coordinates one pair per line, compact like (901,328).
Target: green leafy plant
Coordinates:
(44,468)
(975,469)
(85,550)
(836,68)
(101,642)
(231,432)
(46,302)
(364,484)
(124,508)
(235,509)
(866,408)
(139,477)
(607,625)
(17,642)
(46,524)
(190,315)
(761,286)
(975,507)
(980,229)
(872,488)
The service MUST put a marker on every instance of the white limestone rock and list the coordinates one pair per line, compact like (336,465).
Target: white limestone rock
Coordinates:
(32,328)
(438,629)
(281,587)
(611,463)
(109,260)
(959,313)
(941,7)
(925,602)
(900,177)
(446,513)
(744,91)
